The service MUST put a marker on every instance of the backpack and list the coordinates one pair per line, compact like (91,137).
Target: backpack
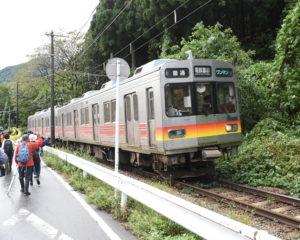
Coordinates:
(23,155)
(3,157)
(8,146)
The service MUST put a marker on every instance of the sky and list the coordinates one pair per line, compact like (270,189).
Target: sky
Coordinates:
(24,23)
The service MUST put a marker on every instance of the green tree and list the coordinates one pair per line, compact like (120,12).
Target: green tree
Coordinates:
(284,82)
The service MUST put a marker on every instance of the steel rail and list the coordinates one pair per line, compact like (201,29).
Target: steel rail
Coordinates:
(294,222)
(275,196)
(199,220)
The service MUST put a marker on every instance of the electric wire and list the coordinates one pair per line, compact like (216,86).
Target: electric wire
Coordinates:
(152,27)
(88,20)
(170,27)
(105,29)
(189,14)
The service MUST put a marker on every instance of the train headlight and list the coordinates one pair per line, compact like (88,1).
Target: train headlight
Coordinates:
(231,127)
(177,133)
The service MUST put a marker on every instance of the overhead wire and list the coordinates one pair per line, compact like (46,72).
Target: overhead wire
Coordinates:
(105,28)
(170,27)
(136,49)
(87,21)
(152,27)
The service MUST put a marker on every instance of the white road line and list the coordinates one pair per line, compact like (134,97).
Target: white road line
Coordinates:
(103,225)
(64,237)
(42,226)
(13,220)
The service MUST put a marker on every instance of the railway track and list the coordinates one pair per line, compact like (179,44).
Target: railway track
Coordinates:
(277,207)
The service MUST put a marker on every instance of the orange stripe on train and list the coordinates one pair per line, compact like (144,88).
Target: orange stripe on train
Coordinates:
(197,130)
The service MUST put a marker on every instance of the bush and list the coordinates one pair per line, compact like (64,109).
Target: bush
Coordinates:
(269,156)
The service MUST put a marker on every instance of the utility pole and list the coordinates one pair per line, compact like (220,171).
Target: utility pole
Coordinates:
(52,87)
(52,90)
(132,56)
(17,113)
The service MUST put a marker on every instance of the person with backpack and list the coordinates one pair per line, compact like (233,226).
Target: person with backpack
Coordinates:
(3,160)
(37,159)
(24,160)
(8,148)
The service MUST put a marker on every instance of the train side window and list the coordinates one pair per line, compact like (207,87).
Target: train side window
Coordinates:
(151,105)
(135,107)
(113,110)
(86,110)
(128,108)
(98,114)
(82,120)
(107,112)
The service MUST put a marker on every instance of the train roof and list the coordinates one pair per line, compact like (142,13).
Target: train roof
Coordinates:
(153,64)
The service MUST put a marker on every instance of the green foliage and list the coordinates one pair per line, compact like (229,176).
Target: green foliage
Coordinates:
(254,95)
(269,156)
(147,224)
(284,77)
(212,42)
(144,222)
(5,103)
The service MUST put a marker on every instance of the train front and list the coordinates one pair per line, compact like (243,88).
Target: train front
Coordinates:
(201,120)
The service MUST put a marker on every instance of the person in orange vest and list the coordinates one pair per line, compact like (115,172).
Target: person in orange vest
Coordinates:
(24,160)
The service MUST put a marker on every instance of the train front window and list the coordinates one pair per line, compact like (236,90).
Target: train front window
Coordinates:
(204,98)
(178,99)
(226,98)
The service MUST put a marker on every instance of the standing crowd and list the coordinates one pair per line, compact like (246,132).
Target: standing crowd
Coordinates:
(26,156)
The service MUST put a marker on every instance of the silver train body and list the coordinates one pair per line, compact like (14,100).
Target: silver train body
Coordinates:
(176,117)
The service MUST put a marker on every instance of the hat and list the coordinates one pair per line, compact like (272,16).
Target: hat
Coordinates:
(32,137)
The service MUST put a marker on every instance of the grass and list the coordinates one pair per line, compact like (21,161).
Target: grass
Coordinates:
(141,220)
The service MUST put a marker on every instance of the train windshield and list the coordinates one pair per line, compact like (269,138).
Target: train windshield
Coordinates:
(186,99)
(178,99)
(204,96)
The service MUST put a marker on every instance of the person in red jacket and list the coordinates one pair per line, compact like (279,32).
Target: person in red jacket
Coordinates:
(25,169)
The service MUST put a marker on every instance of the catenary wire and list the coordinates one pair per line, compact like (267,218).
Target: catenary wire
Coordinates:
(170,27)
(151,27)
(104,30)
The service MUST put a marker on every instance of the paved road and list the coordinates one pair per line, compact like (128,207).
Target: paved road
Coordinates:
(52,212)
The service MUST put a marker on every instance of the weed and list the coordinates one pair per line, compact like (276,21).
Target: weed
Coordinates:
(143,221)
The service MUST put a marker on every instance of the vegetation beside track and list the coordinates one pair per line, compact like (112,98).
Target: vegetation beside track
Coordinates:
(269,156)
(142,221)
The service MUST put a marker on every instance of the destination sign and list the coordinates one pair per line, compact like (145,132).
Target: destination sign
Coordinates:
(224,72)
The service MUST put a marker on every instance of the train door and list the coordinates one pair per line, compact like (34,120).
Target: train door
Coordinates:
(96,121)
(63,124)
(151,117)
(75,123)
(132,120)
